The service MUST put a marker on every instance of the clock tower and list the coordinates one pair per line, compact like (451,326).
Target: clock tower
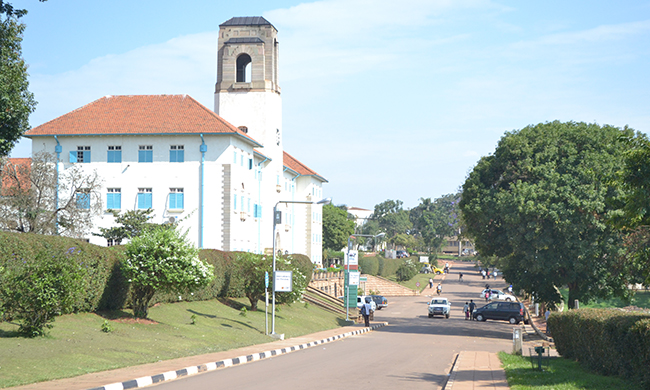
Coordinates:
(247,92)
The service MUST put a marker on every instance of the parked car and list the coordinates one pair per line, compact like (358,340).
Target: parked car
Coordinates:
(380,301)
(512,312)
(361,299)
(498,294)
(439,306)
(437,271)
(402,254)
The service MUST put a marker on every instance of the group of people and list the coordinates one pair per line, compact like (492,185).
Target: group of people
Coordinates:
(486,273)
(468,309)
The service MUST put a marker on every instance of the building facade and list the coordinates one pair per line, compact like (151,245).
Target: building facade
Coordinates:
(218,174)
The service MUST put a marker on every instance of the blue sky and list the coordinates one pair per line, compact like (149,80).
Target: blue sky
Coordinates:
(385,99)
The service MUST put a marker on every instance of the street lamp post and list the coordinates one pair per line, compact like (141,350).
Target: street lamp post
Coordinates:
(277,218)
(347,266)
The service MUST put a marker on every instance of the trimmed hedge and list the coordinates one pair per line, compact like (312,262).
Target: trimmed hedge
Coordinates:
(369,265)
(609,341)
(104,285)
(388,267)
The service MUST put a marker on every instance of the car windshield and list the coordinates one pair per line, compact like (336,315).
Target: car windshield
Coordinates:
(438,302)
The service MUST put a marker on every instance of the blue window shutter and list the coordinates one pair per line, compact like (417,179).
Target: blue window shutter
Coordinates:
(180,157)
(148,200)
(235,205)
(73,156)
(141,201)
(250,163)
(172,158)
(242,202)
(180,200)
(83,200)
(86,156)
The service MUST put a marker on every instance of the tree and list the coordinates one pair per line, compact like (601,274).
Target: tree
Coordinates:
(162,259)
(16,102)
(391,218)
(336,227)
(540,203)
(131,224)
(436,220)
(253,268)
(29,203)
(635,218)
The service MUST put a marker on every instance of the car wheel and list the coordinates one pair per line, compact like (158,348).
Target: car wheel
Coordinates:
(513,320)
(430,315)
(508,299)
(480,317)
(446,315)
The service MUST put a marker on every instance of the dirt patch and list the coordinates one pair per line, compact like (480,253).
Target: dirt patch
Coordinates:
(132,320)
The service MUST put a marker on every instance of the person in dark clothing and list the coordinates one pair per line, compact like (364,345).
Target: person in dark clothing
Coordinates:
(366,309)
(472,306)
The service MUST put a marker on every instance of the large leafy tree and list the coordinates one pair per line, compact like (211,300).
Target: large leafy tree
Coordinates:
(435,220)
(337,227)
(130,223)
(635,218)
(392,218)
(540,203)
(16,102)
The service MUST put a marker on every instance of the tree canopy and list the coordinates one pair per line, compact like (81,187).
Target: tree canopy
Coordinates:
(435,220)
(540,204)
(392,218)
(16,102)
(337,227)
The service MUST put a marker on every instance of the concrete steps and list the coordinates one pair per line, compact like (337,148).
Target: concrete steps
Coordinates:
(387,288)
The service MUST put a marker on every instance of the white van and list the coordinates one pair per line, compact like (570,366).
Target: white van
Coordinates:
(362,299)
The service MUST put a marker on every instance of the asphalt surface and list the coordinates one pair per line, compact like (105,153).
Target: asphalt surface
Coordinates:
(413,351)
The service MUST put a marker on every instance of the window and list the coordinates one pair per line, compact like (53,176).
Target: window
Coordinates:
(176,198)
(177,153)
(111,242)
(81,155)
(114,154)
(235,160)
(144,198)
(145,154)
(250,163)
(242,202)
(248,207)
(235,203)
(83,199)
(244,68)
(241,160)
(113,198)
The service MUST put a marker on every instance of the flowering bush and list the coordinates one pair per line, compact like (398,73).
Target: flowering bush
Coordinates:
(162,259)
(406,271)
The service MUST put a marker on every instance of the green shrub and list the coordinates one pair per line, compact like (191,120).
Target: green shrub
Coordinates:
(388,267)
(406,271)
(37,291)
(162,259)
(608,341)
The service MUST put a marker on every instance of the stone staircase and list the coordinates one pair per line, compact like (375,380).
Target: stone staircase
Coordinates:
(387,288)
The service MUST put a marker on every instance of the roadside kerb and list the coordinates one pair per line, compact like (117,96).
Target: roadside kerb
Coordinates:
(171,375)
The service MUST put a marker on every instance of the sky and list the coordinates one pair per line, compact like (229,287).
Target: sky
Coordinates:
(385,99)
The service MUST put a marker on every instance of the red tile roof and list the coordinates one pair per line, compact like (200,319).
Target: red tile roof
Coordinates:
(298,167)
(20,167)
(141,115)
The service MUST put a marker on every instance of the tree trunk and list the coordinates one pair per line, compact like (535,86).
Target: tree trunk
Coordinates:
(141,297)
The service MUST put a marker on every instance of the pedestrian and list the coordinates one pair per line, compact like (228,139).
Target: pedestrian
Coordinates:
(488,295)
(366,310)
(466,311)
(510,289)
(483,273)
(472,306)
(460,277)
(495,274)
(430,283)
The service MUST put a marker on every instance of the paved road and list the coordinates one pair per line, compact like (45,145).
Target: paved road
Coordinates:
(413,352)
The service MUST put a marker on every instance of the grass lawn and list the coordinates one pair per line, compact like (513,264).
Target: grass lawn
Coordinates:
(423,279)
(562,374)
(76,345)
(641,299)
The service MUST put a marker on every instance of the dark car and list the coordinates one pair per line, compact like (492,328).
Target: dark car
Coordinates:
(402,254)
(380,301)
(512,312)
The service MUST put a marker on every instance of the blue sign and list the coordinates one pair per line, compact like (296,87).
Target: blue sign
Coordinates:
(266,279)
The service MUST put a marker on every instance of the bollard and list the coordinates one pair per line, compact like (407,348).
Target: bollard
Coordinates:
(517,344)
(537,310)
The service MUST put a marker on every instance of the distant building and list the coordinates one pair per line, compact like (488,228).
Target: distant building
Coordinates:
(361,215)
(218,174)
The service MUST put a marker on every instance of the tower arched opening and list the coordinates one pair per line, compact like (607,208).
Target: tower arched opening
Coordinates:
(244,65)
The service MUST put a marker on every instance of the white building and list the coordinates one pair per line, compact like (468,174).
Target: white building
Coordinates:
(219,174)
(360,215)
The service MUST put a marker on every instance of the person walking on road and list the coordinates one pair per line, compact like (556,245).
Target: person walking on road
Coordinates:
(510,289)
(466,311)
(483,273)
(495,274)
(366,310)
(460,277)
(472,306)
(430,283)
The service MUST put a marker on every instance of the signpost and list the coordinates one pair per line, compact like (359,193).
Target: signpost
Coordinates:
(266,308)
